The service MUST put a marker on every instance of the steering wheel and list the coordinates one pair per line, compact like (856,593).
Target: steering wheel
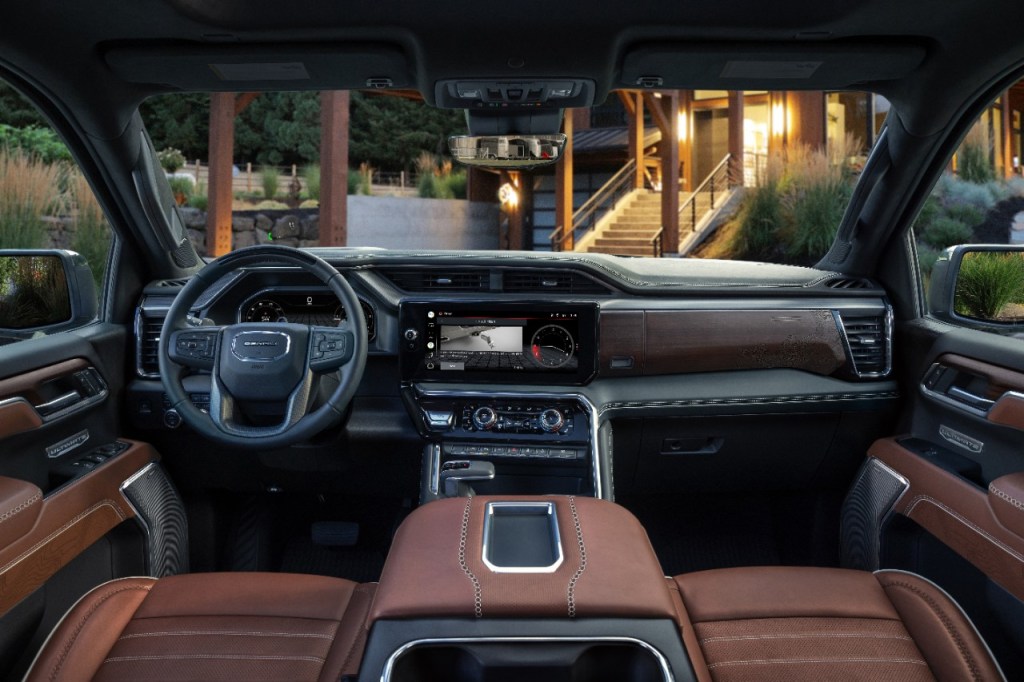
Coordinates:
(261,364)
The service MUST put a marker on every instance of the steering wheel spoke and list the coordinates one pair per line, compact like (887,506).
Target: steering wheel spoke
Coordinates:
(194,347)
(330,348)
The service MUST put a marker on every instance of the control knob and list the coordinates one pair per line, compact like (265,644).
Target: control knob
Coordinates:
(551,420)
(411,334)
(484,418)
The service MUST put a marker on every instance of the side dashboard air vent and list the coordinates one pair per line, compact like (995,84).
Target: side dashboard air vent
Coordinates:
(849,283)
(543,282)
(418,280)
(147,328)
(869,341)
(176,283)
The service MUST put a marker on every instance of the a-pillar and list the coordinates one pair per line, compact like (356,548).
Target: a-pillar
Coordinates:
(563,187)
(735,137)
(222,144)
(334,110)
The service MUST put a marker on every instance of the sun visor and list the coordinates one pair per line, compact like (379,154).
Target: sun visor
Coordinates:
(766,66)
(263,67)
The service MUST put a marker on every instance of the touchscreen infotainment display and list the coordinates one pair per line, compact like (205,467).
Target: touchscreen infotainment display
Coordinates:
(518,344)
(470,342)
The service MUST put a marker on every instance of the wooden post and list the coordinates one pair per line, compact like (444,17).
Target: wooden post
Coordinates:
(222,138)
(670,173)
(334,168)
(563,187)
(635,112)
(806,115)
(1007,150)
(735,137)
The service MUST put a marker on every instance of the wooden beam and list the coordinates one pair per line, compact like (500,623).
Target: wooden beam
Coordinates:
(1007,150)
(636,140)
(670,173)
(244,100)
(686,145)
(806,115)
(220,197)
(626,97)
(334,106)
(563,186)
(657,113)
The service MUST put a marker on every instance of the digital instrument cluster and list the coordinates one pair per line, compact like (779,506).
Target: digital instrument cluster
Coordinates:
(314,308)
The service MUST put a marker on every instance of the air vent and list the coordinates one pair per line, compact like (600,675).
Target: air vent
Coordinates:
(868,340)
(849,283)
(541,282)
(414,280)
(148,330)
(176,283)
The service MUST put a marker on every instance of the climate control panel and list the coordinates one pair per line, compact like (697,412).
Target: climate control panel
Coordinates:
(514,418)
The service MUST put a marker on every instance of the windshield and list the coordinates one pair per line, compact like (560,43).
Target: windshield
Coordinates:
(759,176)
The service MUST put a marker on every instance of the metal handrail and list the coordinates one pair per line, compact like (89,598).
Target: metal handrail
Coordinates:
(704,197)
(656,243)
(600,202)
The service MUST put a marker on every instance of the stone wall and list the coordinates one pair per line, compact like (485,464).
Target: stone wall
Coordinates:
(388,222)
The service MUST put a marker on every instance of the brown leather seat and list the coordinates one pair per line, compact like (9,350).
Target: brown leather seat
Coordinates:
(216,626)
(795,624)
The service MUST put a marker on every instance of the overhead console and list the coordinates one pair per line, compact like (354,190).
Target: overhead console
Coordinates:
(498,342)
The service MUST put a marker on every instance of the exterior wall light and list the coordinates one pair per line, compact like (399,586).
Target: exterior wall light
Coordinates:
(683,128)
(508,195)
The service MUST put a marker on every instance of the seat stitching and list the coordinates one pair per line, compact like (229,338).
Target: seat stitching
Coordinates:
(1019,504)
(7,515)
(478,606)
(81,624)
(788,661)
(360,631)
(225,633)
(213,657)
(946,621)
(856,635)
(583,558)
(925,498)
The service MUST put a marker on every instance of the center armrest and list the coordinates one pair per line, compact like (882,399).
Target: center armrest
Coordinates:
(597,561)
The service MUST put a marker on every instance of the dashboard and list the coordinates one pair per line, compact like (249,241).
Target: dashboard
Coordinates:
(310,306)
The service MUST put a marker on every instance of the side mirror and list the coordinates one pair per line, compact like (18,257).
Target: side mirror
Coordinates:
(980,286)
(43,290)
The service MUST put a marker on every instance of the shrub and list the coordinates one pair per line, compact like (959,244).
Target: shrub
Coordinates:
(269,177)
(170,159)
(33,292)
(972,162)
(36,141)
(30,190)
(926,258)
(968,214)
(987,282)
(311,174)
(310,203)
(200,201)
(353,181)
(182,189)
(816,196)
(92,232)
(946,231)
(365,179)
(271,205)
(760,219)
(456,182)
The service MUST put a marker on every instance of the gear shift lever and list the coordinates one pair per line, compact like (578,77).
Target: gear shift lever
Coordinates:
(456,474)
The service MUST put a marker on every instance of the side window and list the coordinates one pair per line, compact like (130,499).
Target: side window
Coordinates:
(54,237)
(970,233)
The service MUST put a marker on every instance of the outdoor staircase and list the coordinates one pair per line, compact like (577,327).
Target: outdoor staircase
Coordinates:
(634,231)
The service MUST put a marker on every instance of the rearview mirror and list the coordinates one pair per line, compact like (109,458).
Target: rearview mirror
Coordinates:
(507,151)
(43,291)
(980,286)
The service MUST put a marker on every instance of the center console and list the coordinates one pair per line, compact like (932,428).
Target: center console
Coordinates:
(482,383)
(547,588)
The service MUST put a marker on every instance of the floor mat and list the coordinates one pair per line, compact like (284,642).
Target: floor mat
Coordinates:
(702,533)
(302,555)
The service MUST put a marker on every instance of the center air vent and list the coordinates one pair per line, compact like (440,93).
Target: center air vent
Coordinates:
(868,340)
(417,280)
(551,282)
(849,283)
